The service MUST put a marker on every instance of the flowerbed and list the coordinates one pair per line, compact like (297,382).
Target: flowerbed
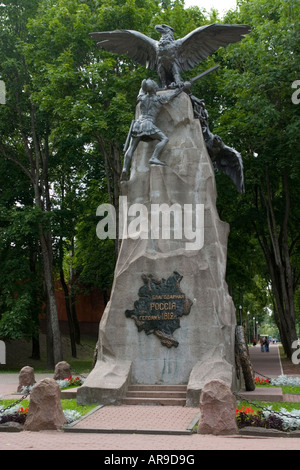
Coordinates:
(70,382)
(246,416)
(282,419)
(280,381)
(16,414)
(19,415)
(260,381)
(285,380)
(279,418)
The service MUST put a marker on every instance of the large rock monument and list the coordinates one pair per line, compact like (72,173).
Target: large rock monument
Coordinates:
(170,318)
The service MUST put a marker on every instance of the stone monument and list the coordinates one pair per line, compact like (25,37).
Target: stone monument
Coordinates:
(170,318)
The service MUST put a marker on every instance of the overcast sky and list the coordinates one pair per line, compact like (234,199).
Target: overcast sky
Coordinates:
(221,5)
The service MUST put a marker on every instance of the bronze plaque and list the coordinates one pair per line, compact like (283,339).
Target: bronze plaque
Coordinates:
(159,308)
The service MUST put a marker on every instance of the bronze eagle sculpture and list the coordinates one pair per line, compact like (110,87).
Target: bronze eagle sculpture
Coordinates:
(225,159)
(169,57)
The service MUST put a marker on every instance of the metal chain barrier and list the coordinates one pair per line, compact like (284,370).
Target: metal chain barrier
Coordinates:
(265,408)
(2,410)
(262,375)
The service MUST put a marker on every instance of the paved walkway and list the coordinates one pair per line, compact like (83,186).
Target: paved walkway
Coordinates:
(145,428)
(266,364)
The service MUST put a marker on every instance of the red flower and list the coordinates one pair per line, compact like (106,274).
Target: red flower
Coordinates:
(260,381)
(23,410)
(244,410)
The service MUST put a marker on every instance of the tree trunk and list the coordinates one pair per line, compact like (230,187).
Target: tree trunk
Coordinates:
(46,244)
(36,304)
(112,165)
(69,313)
(275,246)
(73,296)
(49,339)
(35,352)
(40,170)
(282,314)
(67,296)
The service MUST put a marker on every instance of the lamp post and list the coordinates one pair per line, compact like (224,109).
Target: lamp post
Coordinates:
(254,335)
(241,314)
(248,328)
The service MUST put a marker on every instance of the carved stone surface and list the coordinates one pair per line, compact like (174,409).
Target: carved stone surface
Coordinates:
(218,409)
(124,354)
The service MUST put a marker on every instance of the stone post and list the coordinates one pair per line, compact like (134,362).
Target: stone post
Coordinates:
(26,378)
(218,409)
(45,410)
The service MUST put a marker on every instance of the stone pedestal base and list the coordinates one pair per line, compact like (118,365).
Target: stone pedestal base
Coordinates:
(106,384)
(211,367)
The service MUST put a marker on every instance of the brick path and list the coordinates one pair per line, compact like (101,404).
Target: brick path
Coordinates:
(58,440)
(138,417)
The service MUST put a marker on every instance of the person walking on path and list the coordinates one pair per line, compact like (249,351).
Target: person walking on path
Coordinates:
(266,343)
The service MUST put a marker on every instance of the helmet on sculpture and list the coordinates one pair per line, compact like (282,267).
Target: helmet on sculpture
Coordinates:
(149,85)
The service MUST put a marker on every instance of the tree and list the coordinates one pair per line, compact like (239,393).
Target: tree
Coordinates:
(47,61)
(24,140)
(260,120)
(21,292)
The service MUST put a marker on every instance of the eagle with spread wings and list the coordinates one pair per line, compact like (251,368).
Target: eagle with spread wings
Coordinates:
(169,57)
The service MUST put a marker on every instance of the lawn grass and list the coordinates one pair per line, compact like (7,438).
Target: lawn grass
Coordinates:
(71,404)
(275,405)
(290,389)
(67,404)
(18,355)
